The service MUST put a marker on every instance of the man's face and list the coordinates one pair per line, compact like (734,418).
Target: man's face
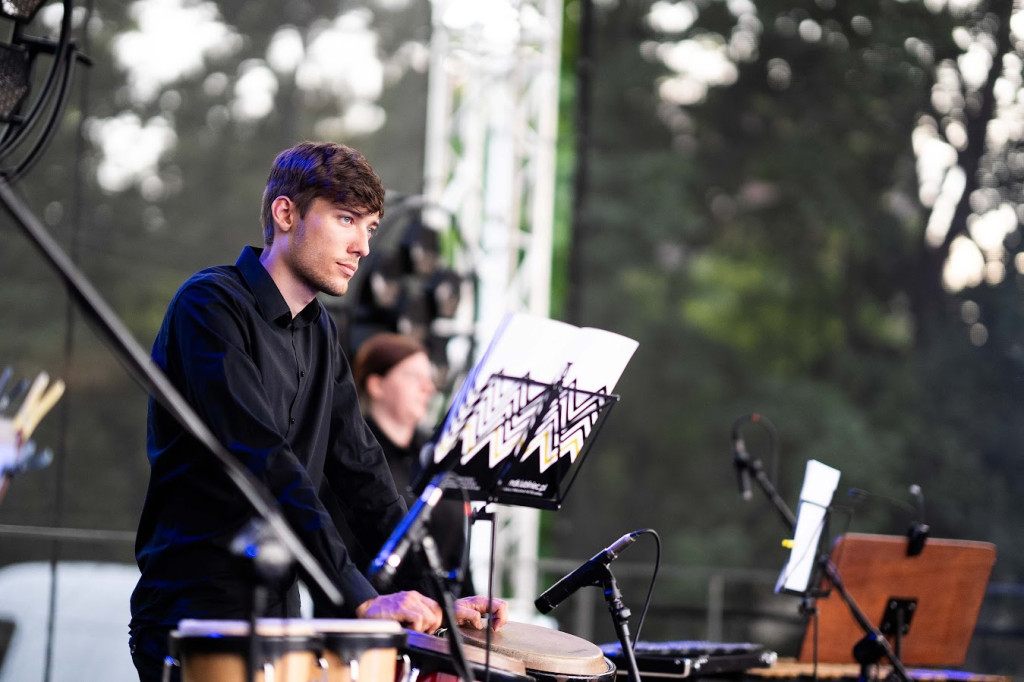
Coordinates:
(328,242)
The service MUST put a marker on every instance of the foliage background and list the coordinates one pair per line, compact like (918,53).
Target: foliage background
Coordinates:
(767,244)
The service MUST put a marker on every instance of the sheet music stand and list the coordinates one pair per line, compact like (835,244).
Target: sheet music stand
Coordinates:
(521,442)
(940,592)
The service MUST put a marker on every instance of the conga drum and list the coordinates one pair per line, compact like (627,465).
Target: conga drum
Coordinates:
(217,650)
(548,655)
(357,650)
(431,661)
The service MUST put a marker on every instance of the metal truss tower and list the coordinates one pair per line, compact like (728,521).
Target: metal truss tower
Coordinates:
(492,121)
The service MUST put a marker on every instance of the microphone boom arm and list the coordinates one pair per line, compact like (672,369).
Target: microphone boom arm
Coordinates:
(156,383)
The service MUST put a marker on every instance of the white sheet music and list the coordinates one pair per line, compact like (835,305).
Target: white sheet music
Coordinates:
(545,351)
(820,481)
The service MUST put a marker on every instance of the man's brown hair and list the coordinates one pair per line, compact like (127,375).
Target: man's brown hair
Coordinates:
(329,170)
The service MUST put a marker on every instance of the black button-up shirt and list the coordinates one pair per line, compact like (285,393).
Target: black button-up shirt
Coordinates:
(278,394)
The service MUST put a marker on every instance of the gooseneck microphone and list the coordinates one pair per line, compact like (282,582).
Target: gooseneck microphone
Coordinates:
(918,494)
(585,575)
(918,532)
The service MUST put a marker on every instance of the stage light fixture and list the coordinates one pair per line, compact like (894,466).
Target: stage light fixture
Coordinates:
(29,123)
(444,289)
(404,286)
(385,283)
(420,248)
(14,80)
(20,10)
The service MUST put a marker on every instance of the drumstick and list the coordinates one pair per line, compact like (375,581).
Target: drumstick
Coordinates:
(38,386)
(36,413)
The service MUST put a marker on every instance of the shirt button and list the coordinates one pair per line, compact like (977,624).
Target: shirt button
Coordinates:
(302,374)
(292,420)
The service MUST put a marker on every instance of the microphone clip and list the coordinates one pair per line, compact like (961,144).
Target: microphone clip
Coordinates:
(917,534)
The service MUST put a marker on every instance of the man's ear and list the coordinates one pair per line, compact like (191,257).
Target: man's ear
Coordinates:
(284,213)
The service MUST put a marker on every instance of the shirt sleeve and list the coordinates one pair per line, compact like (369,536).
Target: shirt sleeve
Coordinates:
(209,357)
(357,472)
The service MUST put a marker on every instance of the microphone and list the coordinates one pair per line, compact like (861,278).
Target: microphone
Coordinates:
(582,576)
(740,458)
(918,532)
(409,531)
(918,495)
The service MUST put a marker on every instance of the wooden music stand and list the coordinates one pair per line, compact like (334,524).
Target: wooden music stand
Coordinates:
(941,591)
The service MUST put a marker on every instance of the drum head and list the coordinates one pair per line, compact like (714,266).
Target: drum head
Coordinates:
(541,648)
(265,627)
(349,636)
(475,655)
(355,626)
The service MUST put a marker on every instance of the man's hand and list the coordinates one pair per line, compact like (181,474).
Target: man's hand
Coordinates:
(418,612)
(468,610)
(411,609)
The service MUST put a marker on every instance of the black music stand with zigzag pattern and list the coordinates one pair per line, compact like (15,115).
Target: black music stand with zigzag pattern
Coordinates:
(519,441)
(525,418)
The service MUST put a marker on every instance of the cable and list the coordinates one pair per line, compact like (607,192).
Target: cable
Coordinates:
(654,576)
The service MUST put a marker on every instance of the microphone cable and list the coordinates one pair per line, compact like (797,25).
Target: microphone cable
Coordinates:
(654,576)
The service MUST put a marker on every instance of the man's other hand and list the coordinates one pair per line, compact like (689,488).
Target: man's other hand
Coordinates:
(468,611)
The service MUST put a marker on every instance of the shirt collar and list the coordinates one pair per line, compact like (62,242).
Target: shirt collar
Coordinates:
(269,300)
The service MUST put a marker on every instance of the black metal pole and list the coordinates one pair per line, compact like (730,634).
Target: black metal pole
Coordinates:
(620,619)
(147,374)
(580,181)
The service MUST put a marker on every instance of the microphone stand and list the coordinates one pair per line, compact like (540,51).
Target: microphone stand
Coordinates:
(412,534)
(266,561)
(148,375)
(428,548)
(756,467)
(872,633)
(620,618)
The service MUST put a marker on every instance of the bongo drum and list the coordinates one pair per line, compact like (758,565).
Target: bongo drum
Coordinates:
(217,650)
(548,655)
(431,661)
(356,650)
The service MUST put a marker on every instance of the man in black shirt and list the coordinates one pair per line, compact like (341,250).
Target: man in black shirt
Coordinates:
(256,355)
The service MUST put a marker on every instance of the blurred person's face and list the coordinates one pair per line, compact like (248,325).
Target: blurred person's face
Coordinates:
(404,393)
